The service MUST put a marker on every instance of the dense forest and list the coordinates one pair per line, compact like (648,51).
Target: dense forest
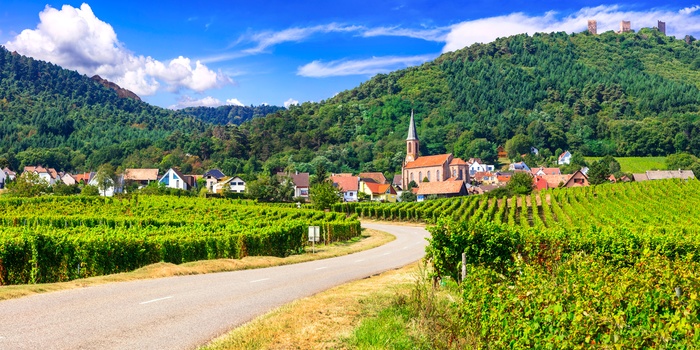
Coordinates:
(630,94)
(224,115)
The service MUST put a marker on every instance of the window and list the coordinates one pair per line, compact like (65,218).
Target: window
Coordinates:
(420,176)
(437,175)
(411,177)
(409,148)
(177,183)
(460,174)
(428,176)
(454,172)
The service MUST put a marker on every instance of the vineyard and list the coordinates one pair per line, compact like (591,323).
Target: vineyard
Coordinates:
(50,239)
(613,266)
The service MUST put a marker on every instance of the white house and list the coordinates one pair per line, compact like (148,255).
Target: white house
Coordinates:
(477,166)
(68,179)
(174,179)
(111,190)
(3,179)
(519,166)
(234,184)
(564,158)
(347,185)
(49,175)
(10,174)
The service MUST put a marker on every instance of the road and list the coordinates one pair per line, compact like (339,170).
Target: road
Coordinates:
(187,311)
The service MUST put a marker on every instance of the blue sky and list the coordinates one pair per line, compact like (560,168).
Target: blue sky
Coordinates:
(179,54)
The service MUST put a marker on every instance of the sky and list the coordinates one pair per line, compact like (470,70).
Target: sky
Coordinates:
(176,54)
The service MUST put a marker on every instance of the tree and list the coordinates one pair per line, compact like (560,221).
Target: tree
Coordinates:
(324,195)
(408,196)
(27,185)
(520,183)
(90,191)
(598,173)
(518,145)
(105,178)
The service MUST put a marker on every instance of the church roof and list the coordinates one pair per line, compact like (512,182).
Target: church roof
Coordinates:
(458,161)
(412,130)
(426,161)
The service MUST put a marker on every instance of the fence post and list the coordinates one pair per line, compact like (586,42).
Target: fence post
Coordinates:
(464,266)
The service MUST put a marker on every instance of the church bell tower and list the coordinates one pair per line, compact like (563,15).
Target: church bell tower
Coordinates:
(412,144)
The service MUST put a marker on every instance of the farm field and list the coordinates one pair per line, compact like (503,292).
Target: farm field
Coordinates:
(611,266)
(52,239)
(636,164)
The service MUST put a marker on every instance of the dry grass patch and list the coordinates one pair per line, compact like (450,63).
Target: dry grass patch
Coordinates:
(369,239)
(322,321)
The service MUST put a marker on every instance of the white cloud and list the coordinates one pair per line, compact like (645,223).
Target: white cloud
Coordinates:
(288,103)
(75,38)
(371,66)
(689,10)
(267,39)
(434,34)
(678,23)
(187,101)
(234,102)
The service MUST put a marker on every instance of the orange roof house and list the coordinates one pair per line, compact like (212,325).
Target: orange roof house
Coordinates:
(442,189)
(141,176)
(376,177)
(378,192)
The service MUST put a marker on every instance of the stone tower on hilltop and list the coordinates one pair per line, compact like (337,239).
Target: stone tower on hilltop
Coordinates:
(625,26)
(662,27)
(412,143)
(593,26)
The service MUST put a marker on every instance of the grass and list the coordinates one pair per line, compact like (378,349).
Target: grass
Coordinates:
(398,309)
(636,164)
(326,320)
(369,239)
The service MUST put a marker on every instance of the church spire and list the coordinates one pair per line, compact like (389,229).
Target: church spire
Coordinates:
(412,143)
(412,130)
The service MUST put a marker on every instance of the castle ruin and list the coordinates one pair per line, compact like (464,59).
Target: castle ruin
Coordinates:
(593,26)
(625,26)
(662,27)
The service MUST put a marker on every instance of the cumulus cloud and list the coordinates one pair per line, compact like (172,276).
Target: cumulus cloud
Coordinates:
(288,103)
(187,101)
(371,66)
(678,23)
(75,38)
(234,102)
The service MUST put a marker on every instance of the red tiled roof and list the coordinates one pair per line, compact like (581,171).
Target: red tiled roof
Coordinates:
(503,178)
(440,187)
(379,188)
(435,160)
(458,161)
(141,174)
(546,171)
(346,183)
(479,175)
(376,177)
(555,180)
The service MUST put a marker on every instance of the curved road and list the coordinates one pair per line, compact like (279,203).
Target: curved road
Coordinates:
(187,311)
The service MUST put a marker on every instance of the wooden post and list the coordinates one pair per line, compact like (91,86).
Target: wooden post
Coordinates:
(464,266)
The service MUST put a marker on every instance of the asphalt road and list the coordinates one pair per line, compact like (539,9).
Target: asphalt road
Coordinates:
(187,311)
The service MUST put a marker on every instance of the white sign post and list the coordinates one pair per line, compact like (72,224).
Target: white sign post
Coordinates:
(314,236)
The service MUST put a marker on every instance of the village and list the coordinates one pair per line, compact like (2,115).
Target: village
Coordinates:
(423,177)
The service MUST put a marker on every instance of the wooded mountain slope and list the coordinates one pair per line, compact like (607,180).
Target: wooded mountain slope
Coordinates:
(631,94)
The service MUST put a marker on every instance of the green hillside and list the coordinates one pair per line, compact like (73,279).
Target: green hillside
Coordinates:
(631,94)
(636,164)
(230,114)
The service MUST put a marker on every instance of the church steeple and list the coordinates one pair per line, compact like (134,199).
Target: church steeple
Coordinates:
(412,143)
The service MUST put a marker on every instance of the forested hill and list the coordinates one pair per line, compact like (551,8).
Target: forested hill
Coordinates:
(224,115)
(630,94)
(59,118)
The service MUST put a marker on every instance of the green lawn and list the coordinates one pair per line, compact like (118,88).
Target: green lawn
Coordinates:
(637,164)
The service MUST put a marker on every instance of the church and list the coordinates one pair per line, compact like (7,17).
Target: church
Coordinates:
(437,168)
